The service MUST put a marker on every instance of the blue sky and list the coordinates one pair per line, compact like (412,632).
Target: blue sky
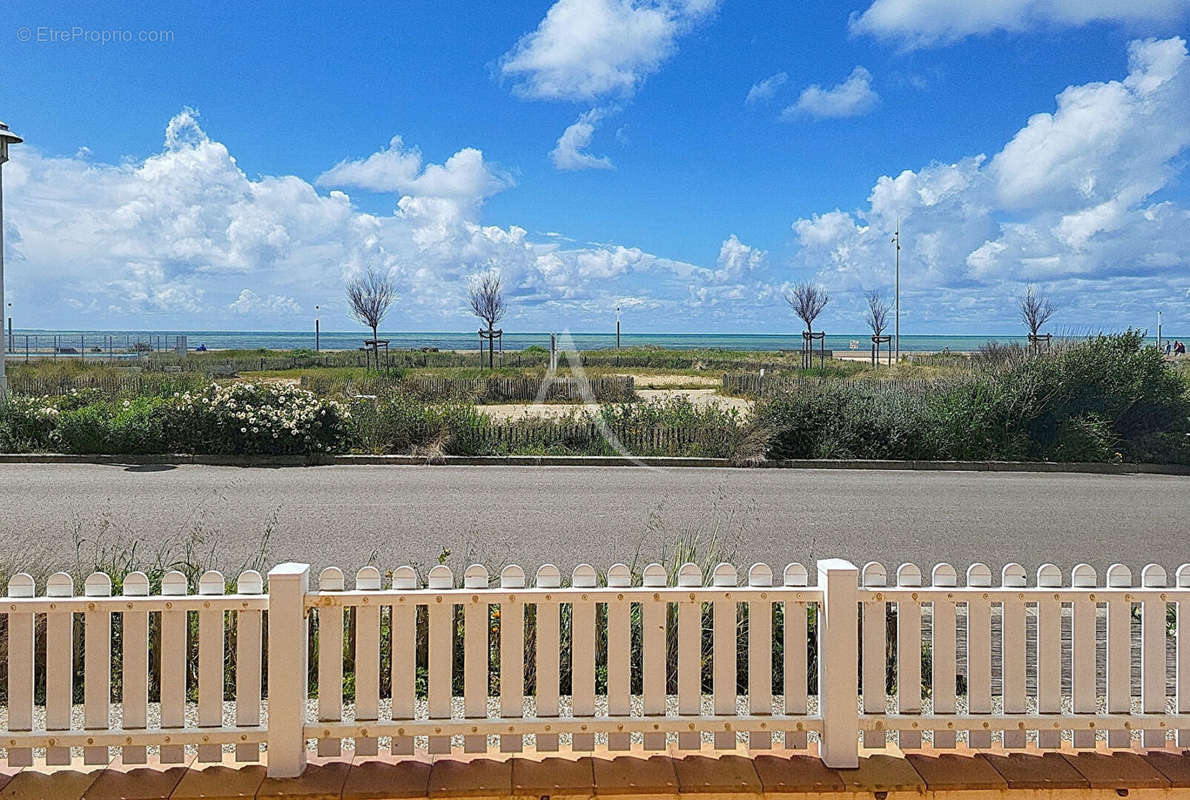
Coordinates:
(689,160)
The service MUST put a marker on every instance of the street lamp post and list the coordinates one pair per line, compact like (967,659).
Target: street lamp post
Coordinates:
(897,294)
(317,344)
(7,137)
(617,327)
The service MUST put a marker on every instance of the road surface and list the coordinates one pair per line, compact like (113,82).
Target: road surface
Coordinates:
(351,515)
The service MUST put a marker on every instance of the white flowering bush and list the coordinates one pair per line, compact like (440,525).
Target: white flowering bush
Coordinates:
(26,423)
(260,418)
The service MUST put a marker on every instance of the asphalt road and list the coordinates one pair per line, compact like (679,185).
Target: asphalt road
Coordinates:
(397,515)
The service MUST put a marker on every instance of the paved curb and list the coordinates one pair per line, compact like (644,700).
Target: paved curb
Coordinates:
(595,461)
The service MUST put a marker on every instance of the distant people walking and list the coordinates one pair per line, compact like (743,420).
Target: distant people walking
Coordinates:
(1179,348)
(1168,347)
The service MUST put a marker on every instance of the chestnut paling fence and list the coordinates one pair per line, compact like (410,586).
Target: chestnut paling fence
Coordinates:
(606,661)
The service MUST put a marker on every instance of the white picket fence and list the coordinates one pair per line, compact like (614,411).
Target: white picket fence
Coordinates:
(610,635)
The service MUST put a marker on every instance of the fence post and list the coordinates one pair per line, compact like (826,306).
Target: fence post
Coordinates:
(288,669)
(838,654)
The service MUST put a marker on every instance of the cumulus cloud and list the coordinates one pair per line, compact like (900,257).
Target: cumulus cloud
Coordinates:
(766,89)
(585,49)
(920,23)
(569,153)
(851,98)
(1070,200)
(175,238)
(249,303)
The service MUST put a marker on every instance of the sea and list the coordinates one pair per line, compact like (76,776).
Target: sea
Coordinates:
(446,340)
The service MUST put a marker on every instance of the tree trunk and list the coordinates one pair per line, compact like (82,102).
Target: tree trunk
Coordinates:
(491,349)
(376,347)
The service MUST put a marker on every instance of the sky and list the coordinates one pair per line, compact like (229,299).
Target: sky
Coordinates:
(225,166)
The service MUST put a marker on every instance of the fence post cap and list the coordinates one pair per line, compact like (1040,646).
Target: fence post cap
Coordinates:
(250,582)
(689,574)
(1119,576)
(475,577)
(440,577)
(874,574)
(908,575)
(979,574)
(653,575)
(619,575)
(760,575)
(1153,576)
(1013,575)
(59,585)
(725,575)
(212,582)
(331,580)
(1049,576)
(22,585)
(289,569)
(512,577)
(584,577)
(1183,576)
(1083,576)
(795,575)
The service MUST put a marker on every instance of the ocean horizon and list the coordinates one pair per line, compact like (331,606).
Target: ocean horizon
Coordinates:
(453,340)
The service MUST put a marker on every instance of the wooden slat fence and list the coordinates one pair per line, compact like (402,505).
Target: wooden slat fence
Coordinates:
(108,385)
(657,659)
(752,384)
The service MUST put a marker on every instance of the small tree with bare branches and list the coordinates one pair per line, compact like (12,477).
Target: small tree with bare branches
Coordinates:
(1036,310)
(487,303)
(807,301)
(877,319)
(369,297)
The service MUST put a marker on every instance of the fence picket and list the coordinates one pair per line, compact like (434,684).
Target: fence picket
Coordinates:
(689,655)
(249,644)
(97,662)
(1152,657)
(21,647)
(367,658)
(1182,688)
(210,665)
(1049,654)
(582,654)
(724,635)
(1119,653)
(619,655)
(795,648)
(1083,652)
(909,654)
(404,658)
(1012,661)
(59,677)
(330,660)
(979,654)
(173,664)
(943,651)
(760,656)
(440,664)
(475,656)
(134,678)
(549,647)
(872,653)
(653,657)
(512,655)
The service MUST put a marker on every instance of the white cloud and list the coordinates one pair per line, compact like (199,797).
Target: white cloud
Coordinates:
(569,152)
(850,98)
(766,89)
(465,177)
(920,23)
(1068,201)
(585,49)
(736,259)
(173,239)
(249,303)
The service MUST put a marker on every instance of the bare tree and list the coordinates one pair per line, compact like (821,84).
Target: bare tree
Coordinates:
(808,300)
(877,318)
(487,303)
(1035,310)
(369,297)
